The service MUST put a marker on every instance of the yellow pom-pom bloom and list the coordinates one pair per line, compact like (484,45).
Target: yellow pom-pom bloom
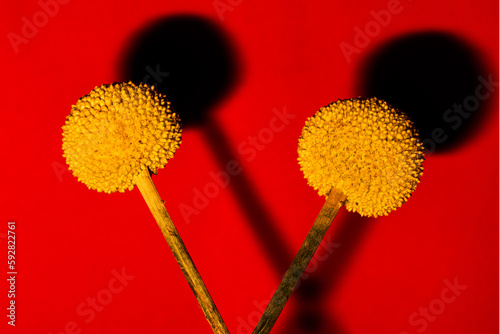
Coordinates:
(365,148)
(116,131)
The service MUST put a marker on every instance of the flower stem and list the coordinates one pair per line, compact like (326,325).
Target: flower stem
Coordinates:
(167,227)
(334,202)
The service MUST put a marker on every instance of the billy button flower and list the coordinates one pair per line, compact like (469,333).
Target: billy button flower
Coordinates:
(113,139)
(361,153)
(115,132)
(365,148)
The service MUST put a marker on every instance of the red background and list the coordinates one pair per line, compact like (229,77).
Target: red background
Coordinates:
(69,239)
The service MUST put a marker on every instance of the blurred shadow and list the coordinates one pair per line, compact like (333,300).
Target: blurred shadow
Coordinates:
(349,234)
(312,319)
(189,59)
(346,234)
(249,201)
(193,62)
(431,76)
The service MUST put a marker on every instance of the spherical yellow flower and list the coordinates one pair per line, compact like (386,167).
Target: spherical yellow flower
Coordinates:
(116,131)
(365,148)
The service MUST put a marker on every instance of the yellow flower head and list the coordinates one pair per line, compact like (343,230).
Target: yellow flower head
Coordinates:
(116,131)
(365,148)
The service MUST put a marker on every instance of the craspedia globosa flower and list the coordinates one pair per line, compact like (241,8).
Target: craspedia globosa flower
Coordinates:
(365,148)
(116,131)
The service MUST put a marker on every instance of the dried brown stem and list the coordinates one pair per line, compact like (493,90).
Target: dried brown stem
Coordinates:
(167,227)
(334,202)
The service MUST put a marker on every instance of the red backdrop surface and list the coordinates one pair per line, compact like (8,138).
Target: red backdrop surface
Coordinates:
(374,275)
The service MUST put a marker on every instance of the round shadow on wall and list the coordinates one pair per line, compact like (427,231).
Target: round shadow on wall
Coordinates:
(436,79)
(188,58)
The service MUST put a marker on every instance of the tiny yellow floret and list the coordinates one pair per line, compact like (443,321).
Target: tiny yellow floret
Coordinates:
(365,148)
(116,131)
